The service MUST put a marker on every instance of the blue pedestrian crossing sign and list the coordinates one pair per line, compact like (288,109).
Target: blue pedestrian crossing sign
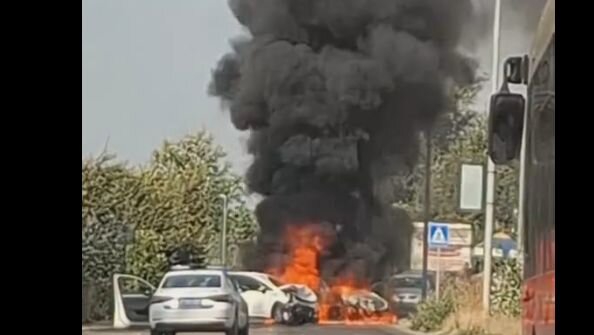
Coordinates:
(439,234)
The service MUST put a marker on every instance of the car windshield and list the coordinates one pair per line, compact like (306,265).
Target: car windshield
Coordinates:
(407,282)
(185,281)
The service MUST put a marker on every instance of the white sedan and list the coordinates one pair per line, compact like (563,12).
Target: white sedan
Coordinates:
(186,300)
(268,298)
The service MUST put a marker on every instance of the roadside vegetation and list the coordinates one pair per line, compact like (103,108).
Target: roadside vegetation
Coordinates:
(459,310)
(132,217)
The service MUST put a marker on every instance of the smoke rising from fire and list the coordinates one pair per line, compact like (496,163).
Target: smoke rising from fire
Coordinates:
(335,94)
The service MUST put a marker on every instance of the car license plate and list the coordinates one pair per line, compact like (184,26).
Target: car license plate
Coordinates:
(190,303)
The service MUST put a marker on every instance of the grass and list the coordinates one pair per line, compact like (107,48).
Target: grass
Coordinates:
(468,317)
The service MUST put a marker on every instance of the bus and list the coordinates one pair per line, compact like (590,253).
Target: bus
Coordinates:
(524,128)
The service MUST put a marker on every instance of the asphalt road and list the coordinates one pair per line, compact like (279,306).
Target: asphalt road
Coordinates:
(282,330)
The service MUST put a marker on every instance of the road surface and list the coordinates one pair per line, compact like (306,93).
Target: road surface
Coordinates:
(282,330)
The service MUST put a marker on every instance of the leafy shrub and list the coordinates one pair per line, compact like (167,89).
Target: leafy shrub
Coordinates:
(505,288)
(432,313)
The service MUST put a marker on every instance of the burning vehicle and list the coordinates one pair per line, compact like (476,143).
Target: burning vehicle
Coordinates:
(345,299)
(364,303)
(332,304)
(343,303)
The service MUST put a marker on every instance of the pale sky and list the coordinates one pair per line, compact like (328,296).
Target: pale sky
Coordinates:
(146,68)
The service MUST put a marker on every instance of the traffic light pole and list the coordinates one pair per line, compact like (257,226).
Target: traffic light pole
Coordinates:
(490,201)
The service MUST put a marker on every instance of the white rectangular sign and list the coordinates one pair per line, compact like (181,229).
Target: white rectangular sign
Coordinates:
(471,187)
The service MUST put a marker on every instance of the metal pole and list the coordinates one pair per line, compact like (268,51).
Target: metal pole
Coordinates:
(427,212)
(438,275)
(489,208)
(224,232)
(521,191)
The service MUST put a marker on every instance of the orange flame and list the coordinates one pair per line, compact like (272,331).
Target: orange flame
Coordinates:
(306,243)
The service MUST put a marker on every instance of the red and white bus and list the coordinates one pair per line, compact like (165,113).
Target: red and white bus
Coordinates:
(515,122)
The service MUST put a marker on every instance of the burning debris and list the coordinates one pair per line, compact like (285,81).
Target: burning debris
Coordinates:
(346,302)
(335,94)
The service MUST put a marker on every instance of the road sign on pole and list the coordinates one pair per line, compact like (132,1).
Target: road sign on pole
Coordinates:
(439,237)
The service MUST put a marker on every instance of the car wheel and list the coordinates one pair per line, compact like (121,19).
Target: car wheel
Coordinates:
(277,312)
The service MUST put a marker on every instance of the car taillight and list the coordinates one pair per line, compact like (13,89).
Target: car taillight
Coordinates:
(221,298)
(159,299)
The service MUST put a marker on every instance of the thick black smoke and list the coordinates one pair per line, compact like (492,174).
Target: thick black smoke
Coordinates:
(335,94)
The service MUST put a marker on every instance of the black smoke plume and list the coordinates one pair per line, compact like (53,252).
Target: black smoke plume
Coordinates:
(335,94)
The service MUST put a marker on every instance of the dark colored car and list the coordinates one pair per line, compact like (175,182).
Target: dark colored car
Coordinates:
(404,291)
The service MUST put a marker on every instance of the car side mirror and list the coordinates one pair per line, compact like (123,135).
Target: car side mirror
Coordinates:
(147,292)
(506,122)
(262,289)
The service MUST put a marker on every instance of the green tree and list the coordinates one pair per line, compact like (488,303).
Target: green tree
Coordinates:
(173,201)
(108,189)
(184,182)
(459,137)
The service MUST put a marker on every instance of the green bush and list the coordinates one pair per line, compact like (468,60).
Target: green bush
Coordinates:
(506,287)
(432,313)
(172,201)
(505,299)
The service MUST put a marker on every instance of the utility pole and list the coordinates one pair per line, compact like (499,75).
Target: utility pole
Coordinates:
(489,208)
(427,211)
(224,232)
(521,195)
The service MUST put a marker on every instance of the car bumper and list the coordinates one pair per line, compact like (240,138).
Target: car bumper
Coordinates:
(202,326)
(198,319)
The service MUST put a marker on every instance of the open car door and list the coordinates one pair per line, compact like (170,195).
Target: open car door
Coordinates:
(131,301)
